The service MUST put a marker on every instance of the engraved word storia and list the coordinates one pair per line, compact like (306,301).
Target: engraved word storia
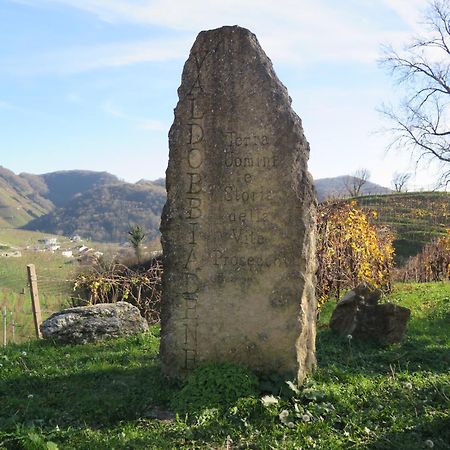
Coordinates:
(238,226)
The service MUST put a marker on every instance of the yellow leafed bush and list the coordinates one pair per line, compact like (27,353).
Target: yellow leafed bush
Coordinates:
(351,249)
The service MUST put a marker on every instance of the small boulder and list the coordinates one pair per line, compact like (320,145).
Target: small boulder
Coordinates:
(359,315)
(85,324)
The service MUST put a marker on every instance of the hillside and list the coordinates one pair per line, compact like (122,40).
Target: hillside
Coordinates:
(336,187)
(63,186)
(105,213)
(20,199)
(415,217)
(26,197)
(96,205)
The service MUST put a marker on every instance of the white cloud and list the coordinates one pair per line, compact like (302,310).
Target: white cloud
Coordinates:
(152,125)
(87,58)
(294,31)
(8,106)
(75,98)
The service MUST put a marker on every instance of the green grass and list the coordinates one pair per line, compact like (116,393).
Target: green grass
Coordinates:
(23,238)
(18,307)
(49,267)
(108,396)
(55,276)
(52,270)
(17,210)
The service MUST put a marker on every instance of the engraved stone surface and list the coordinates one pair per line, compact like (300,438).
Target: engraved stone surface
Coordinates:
(238,226)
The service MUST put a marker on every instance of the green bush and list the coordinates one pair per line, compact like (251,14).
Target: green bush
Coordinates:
(214,385)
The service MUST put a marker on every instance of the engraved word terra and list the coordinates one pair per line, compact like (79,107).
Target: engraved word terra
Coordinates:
(236,140)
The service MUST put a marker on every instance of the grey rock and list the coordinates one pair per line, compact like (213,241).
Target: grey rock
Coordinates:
(360,315)
(238,229)
(85,324)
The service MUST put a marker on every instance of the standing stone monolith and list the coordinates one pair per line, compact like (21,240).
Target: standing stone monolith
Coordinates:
(238,230)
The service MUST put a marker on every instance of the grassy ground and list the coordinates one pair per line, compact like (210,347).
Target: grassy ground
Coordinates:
(19,312)
(22,238)
(112,395)
(53,271)
(15,209)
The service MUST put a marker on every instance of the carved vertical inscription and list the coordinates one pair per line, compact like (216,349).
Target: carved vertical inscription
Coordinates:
(193,216)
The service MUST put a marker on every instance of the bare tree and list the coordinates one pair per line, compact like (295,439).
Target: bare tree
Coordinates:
(421,122)
(399,181)
(355,182)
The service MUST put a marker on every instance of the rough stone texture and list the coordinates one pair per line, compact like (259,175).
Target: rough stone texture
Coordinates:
(94,323)
(238,226)
(359,315)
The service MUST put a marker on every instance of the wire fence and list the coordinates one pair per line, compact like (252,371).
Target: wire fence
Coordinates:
(30,294)
(55,292)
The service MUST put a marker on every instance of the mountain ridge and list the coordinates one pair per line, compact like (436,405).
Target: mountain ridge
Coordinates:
(105,213)
(338,187)
(98,205)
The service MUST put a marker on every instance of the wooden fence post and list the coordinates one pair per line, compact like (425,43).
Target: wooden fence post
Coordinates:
(32,280)
(13,328)
(4,325)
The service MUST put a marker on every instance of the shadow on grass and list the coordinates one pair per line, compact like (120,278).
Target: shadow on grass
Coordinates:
(434,433)
(95,398)
(420,351)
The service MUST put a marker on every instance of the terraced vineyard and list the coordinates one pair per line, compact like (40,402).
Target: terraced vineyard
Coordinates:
(415,217)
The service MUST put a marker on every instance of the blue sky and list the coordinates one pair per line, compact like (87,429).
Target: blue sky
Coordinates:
(91,84)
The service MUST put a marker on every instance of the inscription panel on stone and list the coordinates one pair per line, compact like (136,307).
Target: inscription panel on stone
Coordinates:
(243,230)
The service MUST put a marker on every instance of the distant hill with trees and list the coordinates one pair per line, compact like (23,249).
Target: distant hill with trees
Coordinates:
(26,196)
(105,213)
(95,205)
(340,187)
(63,186)
(99,206)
